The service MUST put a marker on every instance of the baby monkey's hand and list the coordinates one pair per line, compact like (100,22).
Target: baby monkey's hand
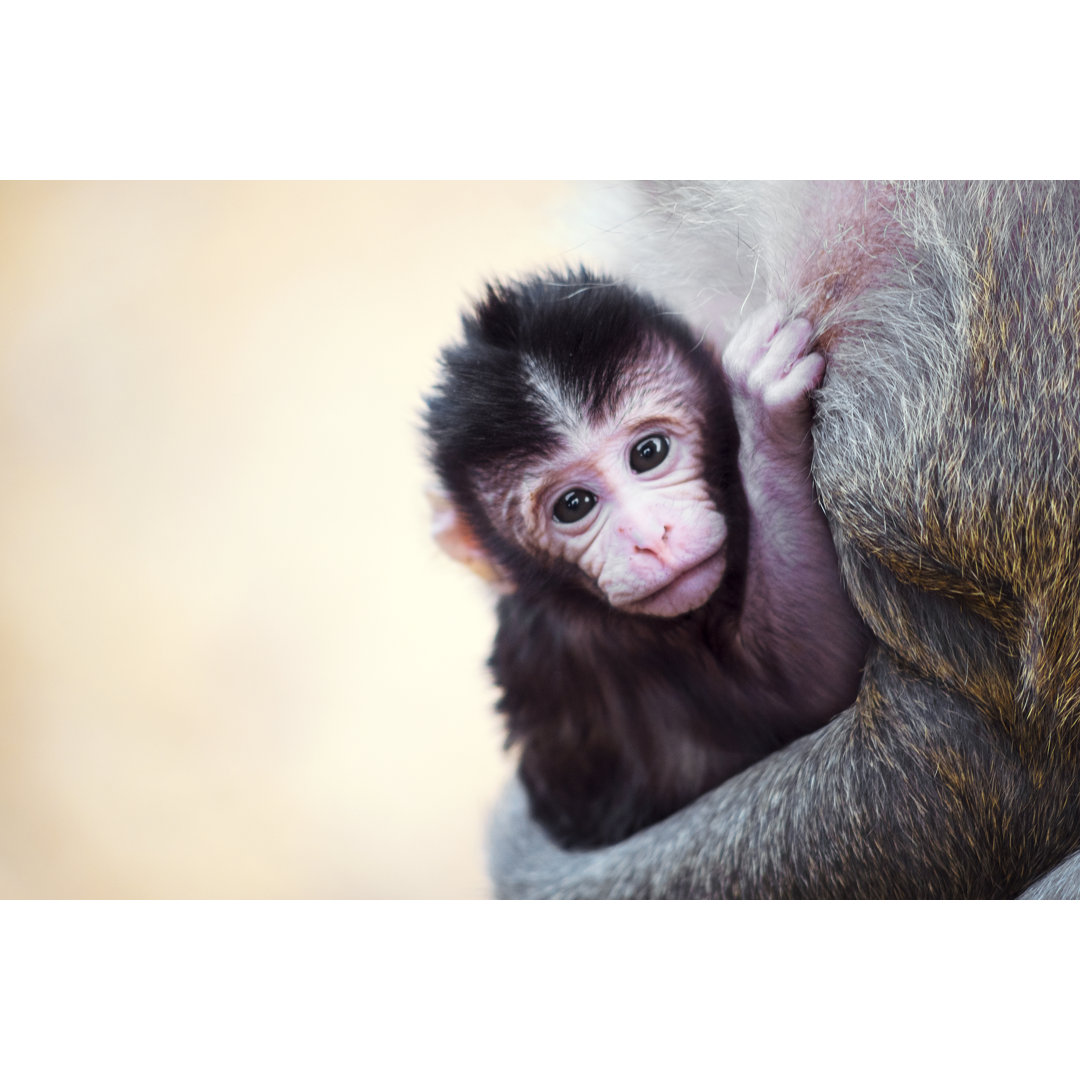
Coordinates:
(771,379)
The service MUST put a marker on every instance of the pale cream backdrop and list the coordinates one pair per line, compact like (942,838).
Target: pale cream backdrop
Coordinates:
(234,664)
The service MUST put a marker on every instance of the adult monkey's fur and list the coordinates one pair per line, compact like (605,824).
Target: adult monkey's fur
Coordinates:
(947,458)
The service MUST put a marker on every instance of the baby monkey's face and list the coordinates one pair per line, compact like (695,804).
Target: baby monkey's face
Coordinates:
(625,500)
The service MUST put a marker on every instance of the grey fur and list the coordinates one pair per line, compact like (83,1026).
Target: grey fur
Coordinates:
(1062,883)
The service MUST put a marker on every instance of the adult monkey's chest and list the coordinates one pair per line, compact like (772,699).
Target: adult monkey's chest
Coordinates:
(940,501)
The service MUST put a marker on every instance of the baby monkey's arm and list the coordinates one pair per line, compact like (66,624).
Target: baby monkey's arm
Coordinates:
(797,621)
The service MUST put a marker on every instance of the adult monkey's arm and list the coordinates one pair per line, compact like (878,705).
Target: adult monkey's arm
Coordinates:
(845,812)
(947,457)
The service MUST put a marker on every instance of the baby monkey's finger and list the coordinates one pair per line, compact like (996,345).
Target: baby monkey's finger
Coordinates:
(792,389)
(753,339)
(786,349)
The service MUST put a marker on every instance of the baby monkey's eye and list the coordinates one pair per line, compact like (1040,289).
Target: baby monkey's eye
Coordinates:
(648,453)
(573,505)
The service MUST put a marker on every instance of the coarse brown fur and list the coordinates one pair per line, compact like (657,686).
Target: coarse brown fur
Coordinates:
(947,458)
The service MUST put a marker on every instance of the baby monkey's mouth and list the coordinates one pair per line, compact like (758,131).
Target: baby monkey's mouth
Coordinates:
(688,590)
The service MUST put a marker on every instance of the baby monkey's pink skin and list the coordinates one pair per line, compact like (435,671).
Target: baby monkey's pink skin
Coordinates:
(654,543)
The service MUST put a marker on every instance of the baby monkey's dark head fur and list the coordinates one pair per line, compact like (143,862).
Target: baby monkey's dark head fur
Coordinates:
(549,352)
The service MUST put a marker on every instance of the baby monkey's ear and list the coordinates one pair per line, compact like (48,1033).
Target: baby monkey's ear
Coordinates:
(453,534)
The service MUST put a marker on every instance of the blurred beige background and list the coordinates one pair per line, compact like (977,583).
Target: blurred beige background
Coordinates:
(234,665)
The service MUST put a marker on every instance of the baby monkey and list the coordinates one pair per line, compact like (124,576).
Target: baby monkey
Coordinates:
(673,610)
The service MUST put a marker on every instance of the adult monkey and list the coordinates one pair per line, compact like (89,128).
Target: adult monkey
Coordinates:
(947,458)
